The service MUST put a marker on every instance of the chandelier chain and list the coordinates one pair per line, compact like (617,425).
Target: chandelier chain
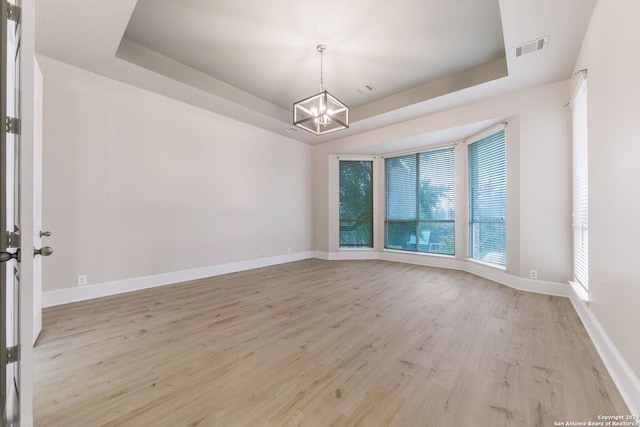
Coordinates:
(321,48)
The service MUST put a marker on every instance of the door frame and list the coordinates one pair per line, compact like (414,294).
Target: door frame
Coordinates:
(26,293)
(10,214)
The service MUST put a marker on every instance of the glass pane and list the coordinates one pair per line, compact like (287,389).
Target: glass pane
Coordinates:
(356,234)
(487,198)
(356,190)
(437,237)
(401,235)
(401,187)
(356,203)
(421,187)
(437,184)
(487,242)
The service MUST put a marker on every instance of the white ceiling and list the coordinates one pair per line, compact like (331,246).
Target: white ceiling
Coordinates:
(268,48)
(251,59)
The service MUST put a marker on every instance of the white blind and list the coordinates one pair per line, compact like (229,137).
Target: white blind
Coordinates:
(420,201)
(580,187)
(488,198)
(437,184)
(401,187)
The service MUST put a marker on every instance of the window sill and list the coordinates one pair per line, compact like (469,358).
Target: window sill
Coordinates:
(412,253)
(357,249)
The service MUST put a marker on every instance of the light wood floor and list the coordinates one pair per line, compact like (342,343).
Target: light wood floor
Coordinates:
(320,343)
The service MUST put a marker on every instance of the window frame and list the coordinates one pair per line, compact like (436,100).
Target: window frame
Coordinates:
(580,187)
(431,248)
(498,260)
(372,161)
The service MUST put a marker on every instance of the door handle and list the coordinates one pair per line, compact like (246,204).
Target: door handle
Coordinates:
(44,251)
(45,234)
(8,256)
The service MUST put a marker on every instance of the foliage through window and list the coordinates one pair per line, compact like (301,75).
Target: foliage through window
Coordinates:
(356,203)
(420,202)
(487,199)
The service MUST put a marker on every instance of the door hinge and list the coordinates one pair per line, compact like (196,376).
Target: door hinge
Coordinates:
(12,354)
(13,239)
(13,13)
(12,125)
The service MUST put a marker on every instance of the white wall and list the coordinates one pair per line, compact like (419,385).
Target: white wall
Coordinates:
(539,185)
(610,53)
(137,184)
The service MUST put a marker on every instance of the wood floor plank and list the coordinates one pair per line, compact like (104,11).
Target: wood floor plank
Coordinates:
(320,343)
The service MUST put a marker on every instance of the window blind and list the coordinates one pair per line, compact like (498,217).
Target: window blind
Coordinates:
(487,198)
(420,201)
(356,203)
(401,194)
(580,187)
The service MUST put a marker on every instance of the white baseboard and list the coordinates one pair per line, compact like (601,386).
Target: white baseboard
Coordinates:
(485,271)
(81,293)
(579,291)
(623,376)
(37,324)
(352,254)
(321,255)
(520,283)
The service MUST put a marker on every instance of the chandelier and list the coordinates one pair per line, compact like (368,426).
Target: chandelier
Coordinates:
(321,113)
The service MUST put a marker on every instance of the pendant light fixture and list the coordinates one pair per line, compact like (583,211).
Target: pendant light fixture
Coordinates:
(321,113)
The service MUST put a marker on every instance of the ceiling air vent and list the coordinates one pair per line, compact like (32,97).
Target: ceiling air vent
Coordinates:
(365,89)
(532,46)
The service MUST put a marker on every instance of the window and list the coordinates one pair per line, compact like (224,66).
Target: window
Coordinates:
(580,187)
(487,199)
(420,202)
(356,204)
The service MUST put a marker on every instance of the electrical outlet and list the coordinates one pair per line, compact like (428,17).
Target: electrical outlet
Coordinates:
(82,280)
(533,274)
(288,250)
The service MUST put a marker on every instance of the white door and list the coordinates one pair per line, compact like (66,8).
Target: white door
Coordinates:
(38,233)
(16,215)
(10,213)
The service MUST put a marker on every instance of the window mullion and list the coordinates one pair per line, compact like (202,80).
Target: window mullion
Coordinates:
(417,224)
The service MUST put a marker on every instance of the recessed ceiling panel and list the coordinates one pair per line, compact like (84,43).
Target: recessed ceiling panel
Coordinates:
(268,48)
